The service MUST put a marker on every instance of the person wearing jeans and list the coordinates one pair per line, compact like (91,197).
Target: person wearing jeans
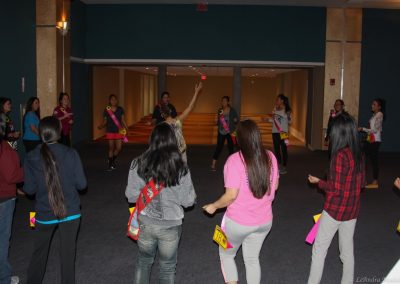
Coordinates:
(166,240)
(160,220)
(6,217)
(342,199)
(251,179)
(10,174)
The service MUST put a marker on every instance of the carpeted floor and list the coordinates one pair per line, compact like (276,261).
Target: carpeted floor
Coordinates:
(106,255)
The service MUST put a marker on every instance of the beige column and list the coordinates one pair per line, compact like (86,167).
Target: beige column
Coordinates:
(52,53)
(342,60)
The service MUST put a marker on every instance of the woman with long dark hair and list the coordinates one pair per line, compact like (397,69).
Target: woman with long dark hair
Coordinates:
(161,219)
(281,118)
(54,173)
(31,124)
(10,174)
(374,138)
(10,134)
(116,129)
(251,178)
(63,113)
(342,200)
(227,118)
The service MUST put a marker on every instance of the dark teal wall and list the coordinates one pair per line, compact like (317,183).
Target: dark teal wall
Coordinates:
(380,73)
(81,102)
(17,52)
(221,33)
(81,78)
(78,29)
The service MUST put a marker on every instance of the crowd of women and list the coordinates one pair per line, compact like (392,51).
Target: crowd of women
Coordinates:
(159,182)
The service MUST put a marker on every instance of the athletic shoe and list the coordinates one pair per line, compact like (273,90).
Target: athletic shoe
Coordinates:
(14,280)
(372,186)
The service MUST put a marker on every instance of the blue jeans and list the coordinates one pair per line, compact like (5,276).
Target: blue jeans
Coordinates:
(166,241)
(6,217)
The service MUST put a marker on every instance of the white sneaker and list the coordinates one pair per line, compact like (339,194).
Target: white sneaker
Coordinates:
(14,280)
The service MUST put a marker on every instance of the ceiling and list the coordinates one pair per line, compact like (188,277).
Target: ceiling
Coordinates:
(389,4)
(209,71)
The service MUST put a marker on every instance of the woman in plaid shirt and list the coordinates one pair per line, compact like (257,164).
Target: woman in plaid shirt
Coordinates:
(342,198)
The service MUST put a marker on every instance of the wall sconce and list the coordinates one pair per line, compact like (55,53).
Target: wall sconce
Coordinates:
(63,27)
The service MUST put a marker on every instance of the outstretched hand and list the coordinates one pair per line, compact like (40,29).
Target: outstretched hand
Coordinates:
(198,87)
(313,179)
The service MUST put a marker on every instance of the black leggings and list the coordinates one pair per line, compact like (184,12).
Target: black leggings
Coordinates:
(372,151)
(279,145)
(220,144)
(43,234)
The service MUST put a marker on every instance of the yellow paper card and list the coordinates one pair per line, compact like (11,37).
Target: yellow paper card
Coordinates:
(131,209)
(284,135)
(398,227)
(220,237)
(32,219)
(316,217)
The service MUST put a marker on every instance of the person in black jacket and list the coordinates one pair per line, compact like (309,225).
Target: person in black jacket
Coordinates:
(54,173)
(338,108)
(163,107)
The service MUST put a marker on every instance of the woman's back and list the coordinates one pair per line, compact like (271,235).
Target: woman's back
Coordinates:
(246,209)
(72,178)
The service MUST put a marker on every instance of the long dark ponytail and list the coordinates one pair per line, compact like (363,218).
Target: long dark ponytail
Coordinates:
(49,130)
(258,163)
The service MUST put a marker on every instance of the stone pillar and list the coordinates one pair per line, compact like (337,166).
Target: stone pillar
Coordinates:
(237,89)
(52,53)
(342,60)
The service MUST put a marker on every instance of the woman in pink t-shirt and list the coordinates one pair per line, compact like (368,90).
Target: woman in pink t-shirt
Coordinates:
(251,178)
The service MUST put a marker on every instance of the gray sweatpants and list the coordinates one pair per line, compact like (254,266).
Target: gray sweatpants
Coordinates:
(326,231)
(252,239)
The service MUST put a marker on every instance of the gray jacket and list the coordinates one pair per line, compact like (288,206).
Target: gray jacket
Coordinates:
(166,208)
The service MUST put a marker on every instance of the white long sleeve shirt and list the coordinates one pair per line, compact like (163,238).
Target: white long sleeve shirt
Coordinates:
(375,126)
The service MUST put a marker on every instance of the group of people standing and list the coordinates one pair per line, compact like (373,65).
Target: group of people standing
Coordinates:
(370,136)
(31,119)
(54,173)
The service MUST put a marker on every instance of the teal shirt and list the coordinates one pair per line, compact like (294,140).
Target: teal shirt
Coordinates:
(31,119)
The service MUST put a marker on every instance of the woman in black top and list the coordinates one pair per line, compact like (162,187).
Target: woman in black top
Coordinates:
(54,173)
(116,129)
(338,108)
(227,118)
(161,108)
(10,134)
